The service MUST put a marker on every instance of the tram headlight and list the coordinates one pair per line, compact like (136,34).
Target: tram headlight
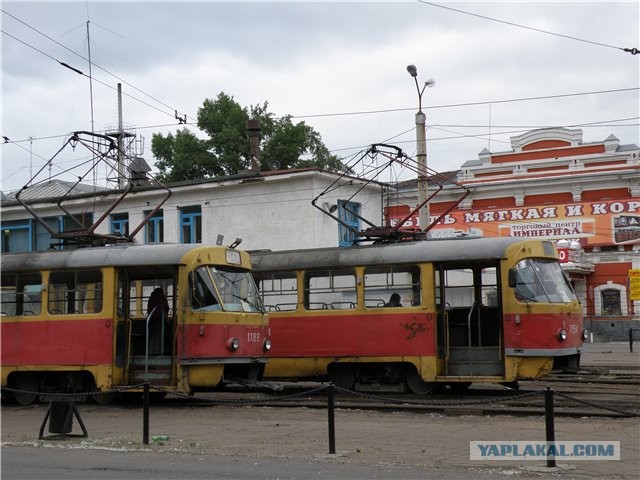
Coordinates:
(266,345)
(585,334)
(233,344)
(562,335)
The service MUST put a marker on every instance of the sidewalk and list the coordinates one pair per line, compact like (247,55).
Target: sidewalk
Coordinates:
(428,441)
(615,355)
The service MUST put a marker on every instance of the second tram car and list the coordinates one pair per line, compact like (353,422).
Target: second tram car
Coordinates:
(418,314)
(80,320)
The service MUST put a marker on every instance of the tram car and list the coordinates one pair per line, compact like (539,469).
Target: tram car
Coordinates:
(418,315)
(82,320)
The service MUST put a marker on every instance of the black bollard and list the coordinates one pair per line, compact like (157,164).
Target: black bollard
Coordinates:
(145,414)
(331,417)
(549,425)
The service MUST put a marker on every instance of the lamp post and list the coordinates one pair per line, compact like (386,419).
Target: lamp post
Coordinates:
(421,148)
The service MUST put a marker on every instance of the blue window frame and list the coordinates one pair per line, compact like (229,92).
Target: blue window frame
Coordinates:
(347,212)
(42,237)
(17,236)
(191,224)
(154,229)
(120,224)
(29,235)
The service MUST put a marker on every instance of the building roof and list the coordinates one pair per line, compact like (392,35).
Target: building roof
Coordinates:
(53,189)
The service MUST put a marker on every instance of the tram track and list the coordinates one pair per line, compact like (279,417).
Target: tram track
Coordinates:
(594,400)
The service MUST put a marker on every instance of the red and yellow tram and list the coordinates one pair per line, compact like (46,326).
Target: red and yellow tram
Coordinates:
(78,320)
(418,314)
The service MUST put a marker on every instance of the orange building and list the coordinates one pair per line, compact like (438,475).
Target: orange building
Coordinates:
(552,185)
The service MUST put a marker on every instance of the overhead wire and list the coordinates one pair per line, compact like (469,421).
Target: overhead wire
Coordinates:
(87,60)
(633,51)
(467,104)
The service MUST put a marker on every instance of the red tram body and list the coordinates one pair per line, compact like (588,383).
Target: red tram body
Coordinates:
(76,320)
(471,310)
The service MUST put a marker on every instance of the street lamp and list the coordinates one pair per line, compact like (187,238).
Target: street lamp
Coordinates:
(421,147)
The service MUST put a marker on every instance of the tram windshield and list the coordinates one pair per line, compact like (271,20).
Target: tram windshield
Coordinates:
(217,288)
(541,280)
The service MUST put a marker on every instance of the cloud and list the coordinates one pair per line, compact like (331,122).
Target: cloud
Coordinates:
(320,58)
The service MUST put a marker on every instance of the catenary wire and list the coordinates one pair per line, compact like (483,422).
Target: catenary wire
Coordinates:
(633,51)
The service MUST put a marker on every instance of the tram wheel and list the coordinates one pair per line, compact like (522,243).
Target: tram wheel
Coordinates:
(104,398)
(416,384)
(342,376)
(30,383)
(459,387)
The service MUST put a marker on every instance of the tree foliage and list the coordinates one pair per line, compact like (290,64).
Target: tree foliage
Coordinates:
(225,151)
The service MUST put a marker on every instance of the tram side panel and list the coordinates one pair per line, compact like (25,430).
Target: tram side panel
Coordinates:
(57,333)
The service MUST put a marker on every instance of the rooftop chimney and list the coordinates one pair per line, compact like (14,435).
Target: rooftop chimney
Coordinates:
(253,129)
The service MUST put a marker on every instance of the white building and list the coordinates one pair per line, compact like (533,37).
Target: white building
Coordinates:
(266,210)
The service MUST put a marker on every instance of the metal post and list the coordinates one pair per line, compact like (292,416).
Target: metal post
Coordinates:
(331,418)
(423,187)
(630,340)
(421,150)
(549,425)
(145,415)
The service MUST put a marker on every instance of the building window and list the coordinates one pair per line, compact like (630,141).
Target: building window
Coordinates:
(16,236)
(611,304)
(190,225)
(120,224)
(43,237)
(348,213)
(154,229)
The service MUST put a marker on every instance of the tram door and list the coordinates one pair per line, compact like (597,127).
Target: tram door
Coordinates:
(469,319)
(146,354)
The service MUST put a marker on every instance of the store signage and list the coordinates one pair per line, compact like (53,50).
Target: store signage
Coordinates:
(593,222)
(634,284)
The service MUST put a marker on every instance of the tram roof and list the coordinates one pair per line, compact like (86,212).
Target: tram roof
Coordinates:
(440,250)
(120,255)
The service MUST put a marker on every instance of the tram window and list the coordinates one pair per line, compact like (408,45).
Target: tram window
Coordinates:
(21,294)
(279,290)
(330,290)
(75,292)
(489,287)
(217,288)
(459,291)
(148,286)
(542,280)
(382,282)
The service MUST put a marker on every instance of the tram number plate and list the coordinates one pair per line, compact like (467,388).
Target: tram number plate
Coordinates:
(253,337)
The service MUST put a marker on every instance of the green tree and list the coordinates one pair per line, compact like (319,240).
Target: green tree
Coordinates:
(184,156)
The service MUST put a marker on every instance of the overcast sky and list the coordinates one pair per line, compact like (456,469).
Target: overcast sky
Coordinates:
(315,61)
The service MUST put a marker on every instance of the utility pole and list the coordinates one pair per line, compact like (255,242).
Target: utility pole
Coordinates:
(421,149)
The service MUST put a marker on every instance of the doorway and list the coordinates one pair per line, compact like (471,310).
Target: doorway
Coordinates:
(469,317)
